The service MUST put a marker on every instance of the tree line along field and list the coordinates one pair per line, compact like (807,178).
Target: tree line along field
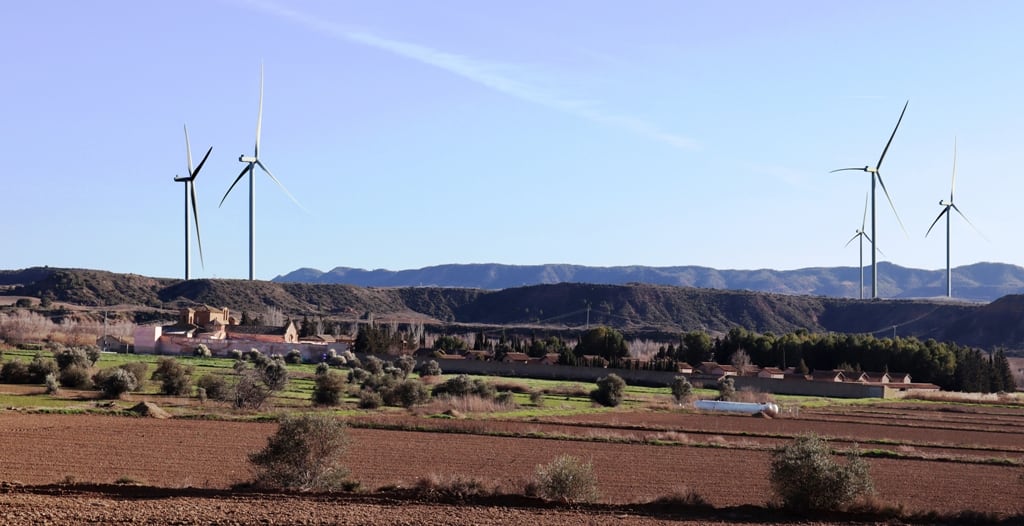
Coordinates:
(924,456)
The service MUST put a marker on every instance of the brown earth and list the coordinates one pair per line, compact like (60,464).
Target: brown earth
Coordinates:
(180,453)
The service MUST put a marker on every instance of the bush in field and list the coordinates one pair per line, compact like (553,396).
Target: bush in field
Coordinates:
(322,368)
(249,391)
(806,477)
(681,389)
(610,390)
(537,398)
(115,382)
(175,378)
(52,385)
(139,370)
(75,377)
(236,354)
(293,356)
(463,385)
(505,398)
(566,479)
(373,365)
(406,394)
(406,363)
(215,386)
(202,351)
(254,355)
(93,353)
(329,388)
(274,375)
(430,368)
(40,367)
(357,375)
(15,372)
(369,399)
(68,357)
(304,454)
(727,389)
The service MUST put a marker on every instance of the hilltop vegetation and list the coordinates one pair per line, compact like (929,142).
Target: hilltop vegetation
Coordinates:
(635,309)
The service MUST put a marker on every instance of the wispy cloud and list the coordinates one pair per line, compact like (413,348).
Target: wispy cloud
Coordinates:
(498,77)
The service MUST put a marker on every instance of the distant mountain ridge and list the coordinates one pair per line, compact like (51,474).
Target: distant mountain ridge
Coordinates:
(977,282)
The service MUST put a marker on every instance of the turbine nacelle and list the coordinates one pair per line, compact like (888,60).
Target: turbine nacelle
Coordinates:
(943,202)
(247,159)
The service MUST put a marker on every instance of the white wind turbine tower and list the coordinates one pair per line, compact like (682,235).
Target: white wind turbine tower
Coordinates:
(190,193)
(862,235)
(876,179)
(946,206)
(250,167)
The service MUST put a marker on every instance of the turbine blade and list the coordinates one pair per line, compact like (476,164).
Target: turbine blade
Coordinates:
(188,151)
(944,211)
(880,159)
(855,236)
(954,207)
(952,186)
(864,220)
(247,168)
(195,215)
(201,163)
(259,116)
(860,169)
(289,194)
(880,252)
(897,214)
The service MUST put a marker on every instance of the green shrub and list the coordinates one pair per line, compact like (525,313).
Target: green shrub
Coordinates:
(806,477)
(430,368)
(68,357)
(610,390)
(40,367)
(727,389)
(115,382)
(406,394)
(202,351)
(236,355)
(249,392)
(537,398)
(175,378)
(304,454)
(215,386)
(15,372)
(681,389)
(75,376)
(52,385)
(566,479)
(329,389)
(463,385)
(505,398)
(274,375)
(373,365)
(406,363)
(93,353)
(293,356)
(369,399)
(322,368)
(138,369)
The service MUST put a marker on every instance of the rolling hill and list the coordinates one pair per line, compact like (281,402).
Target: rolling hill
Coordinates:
(977,282)
(637,309)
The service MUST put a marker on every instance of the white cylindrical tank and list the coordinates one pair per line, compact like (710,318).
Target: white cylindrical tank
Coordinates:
(747,408)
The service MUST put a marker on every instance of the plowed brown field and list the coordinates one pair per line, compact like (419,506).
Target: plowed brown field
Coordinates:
(177,453)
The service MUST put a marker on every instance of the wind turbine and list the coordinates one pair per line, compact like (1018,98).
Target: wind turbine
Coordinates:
(861,234)
(946,205)
(190,193)
(876,179)
(250,167)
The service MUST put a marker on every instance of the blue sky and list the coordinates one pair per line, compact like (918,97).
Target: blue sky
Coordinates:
(453,131)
